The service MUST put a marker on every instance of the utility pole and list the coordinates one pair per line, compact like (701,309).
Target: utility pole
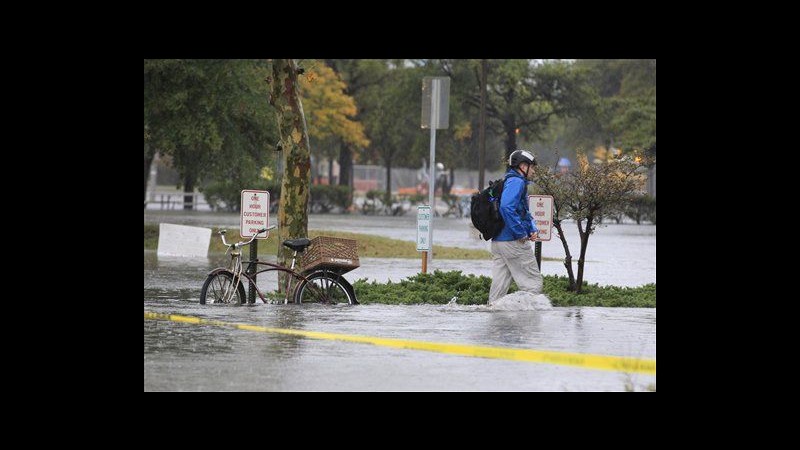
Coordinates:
(435,114)
(482,128)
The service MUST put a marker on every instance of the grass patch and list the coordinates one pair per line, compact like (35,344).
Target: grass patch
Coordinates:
(440,287)
(369,246)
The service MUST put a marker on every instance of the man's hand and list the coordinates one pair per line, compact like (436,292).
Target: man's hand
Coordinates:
(534,236)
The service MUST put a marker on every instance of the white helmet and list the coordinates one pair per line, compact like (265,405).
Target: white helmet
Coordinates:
(520,156)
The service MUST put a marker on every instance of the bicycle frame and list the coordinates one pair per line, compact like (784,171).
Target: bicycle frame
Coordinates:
(322,284)
(270,268)
(236,268)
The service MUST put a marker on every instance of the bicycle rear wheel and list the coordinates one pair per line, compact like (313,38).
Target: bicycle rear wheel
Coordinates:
(325,287)
(219,288)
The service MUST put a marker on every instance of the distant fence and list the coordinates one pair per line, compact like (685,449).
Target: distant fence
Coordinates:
(374,177)
(175,200)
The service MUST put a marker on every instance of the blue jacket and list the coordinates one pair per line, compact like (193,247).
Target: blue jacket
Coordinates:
(514,209)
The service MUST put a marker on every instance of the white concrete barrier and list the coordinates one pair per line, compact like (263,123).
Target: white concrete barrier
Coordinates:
(181,240)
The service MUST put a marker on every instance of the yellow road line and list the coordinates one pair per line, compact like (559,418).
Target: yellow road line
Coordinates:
(585,360)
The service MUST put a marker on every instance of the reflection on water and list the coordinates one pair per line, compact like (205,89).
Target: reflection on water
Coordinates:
(513,327)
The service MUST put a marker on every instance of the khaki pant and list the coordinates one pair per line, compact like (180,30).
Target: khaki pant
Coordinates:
(513,259)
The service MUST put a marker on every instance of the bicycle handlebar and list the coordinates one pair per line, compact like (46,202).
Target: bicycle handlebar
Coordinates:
(243,243)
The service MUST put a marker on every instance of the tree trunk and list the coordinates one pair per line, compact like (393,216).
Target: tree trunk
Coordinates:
(330,171)
(388,182)
(148,161)
(482,128)
(511,138)
(188,188)
(582,258)
(568,255)
(345,164)
(346,170)
(293,133)
(452,179)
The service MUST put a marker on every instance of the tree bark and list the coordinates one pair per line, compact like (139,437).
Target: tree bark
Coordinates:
(330,171)
(511,138)
(346,170)
(568,255)
(584,243)
(388,182)
(293,133)
(345,164)
(188,188)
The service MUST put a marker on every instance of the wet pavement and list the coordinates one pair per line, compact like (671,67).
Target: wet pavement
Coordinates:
(185,357)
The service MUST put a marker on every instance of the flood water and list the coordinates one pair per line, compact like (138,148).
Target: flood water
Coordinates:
(618,254)
(186,357)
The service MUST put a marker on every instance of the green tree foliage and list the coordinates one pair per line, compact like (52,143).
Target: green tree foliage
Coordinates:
(330,112)
(358,75)
(210,115)
(457,146)
(391,113)
(388,94)
(624,105)
(524,95)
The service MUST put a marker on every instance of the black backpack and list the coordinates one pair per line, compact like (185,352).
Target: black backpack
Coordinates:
(485,211)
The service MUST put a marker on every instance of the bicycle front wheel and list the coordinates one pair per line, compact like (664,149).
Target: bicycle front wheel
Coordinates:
(325,287)
(220,287)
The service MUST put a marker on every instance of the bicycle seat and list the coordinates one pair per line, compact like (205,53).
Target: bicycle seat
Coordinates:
(297,245)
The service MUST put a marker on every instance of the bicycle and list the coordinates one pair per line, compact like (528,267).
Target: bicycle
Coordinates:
(225,284)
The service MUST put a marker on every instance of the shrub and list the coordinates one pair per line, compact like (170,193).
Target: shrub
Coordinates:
(226,194)
(440,287)
(417,198)
(326,197)
(641,207)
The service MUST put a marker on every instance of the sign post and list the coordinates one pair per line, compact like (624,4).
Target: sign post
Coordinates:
(423,228)
(435,114)
(255,215)
(541,207)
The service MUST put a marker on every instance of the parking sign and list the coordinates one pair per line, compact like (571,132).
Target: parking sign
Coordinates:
(541,207)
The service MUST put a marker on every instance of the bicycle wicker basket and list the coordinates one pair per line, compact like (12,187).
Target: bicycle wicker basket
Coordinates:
(336,254)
